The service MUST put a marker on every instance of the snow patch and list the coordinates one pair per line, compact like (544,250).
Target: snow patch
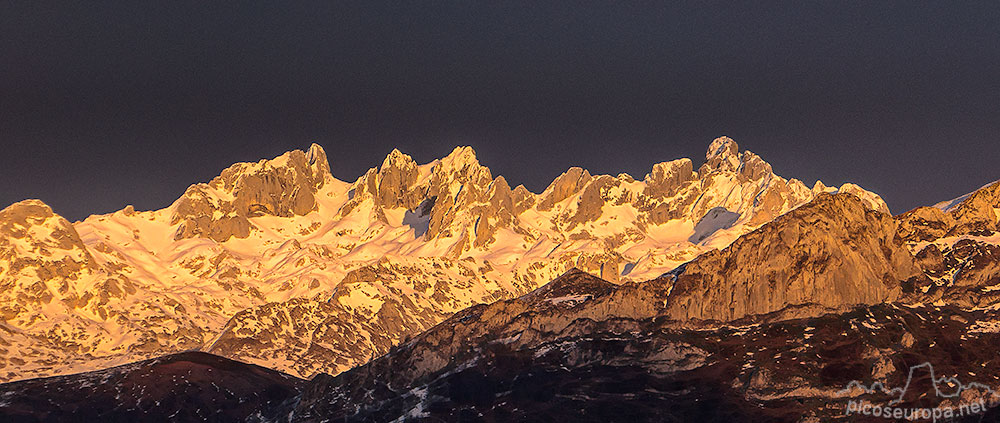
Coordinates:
(570,299)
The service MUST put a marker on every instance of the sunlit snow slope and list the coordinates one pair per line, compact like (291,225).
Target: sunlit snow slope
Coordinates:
(279,263)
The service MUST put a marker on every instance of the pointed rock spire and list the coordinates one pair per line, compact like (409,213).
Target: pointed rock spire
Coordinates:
(394,181)
(567,184)
(316,157)
(723,154)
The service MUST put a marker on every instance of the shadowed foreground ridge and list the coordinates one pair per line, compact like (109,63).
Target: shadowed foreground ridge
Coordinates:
(190,386)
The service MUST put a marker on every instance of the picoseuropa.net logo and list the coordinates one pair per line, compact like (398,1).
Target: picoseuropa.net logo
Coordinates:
(924,396)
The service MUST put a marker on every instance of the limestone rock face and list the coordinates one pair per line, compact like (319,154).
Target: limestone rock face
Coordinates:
(977,213)
(871,200)
(546,363)
(567,184)
(957,244)
(529,320)
(722,155)
(18,220)
(309,336)
(45,261)
(284,187)
(668,178)
(389,186)
(834,252)
(925,224)
(397,174)
(968,262)
(965,273)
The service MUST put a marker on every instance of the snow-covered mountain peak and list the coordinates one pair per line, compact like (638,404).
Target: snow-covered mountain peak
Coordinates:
(397,159)
(459,157)
(460,168)
(359,264)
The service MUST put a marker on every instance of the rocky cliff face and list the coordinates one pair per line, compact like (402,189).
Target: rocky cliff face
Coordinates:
(285,186)
(977,213)
(355,267)
(957,244)
(833,252)
(725,293)
(829,256)
(775,327)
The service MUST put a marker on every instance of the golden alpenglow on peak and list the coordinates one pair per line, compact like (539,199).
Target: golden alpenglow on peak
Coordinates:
(276,214)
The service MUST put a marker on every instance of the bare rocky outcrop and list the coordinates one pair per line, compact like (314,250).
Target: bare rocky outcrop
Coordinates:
(391,185)
(18,220)
(588,344)
(668,178)
(456,182)
(965,273)
(834,252)
(565,185)
(284,186)
(973,214)
(955,243)
(529,320)
(924,224)
(978,214)
(723,155)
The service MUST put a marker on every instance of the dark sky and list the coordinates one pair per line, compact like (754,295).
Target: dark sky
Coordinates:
(103,105)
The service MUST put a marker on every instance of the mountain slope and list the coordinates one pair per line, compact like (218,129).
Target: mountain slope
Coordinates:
(661,350)
(831,252)
(735,334)
(957,244)
(279,263)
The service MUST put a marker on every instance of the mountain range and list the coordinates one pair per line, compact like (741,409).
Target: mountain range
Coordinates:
(436,290)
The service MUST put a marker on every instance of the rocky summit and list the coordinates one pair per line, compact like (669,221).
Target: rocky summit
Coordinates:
(436,291)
